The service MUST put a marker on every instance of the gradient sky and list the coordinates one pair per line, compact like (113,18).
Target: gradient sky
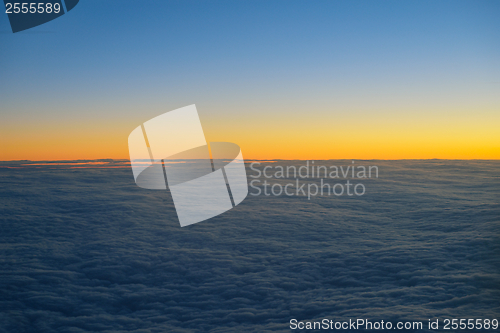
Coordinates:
(283,79)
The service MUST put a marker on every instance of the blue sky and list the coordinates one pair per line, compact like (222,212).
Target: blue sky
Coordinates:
(109,59)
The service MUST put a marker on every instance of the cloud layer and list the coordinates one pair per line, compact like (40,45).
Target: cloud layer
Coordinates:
(86,250)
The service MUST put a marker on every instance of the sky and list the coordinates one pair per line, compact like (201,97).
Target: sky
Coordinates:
(282,79)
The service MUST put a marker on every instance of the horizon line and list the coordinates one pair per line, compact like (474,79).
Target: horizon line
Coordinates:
(277,159)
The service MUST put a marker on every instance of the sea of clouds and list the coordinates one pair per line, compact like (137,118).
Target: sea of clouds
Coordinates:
(83,249)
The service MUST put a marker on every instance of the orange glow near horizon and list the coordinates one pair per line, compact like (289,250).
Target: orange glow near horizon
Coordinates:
(319,136)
